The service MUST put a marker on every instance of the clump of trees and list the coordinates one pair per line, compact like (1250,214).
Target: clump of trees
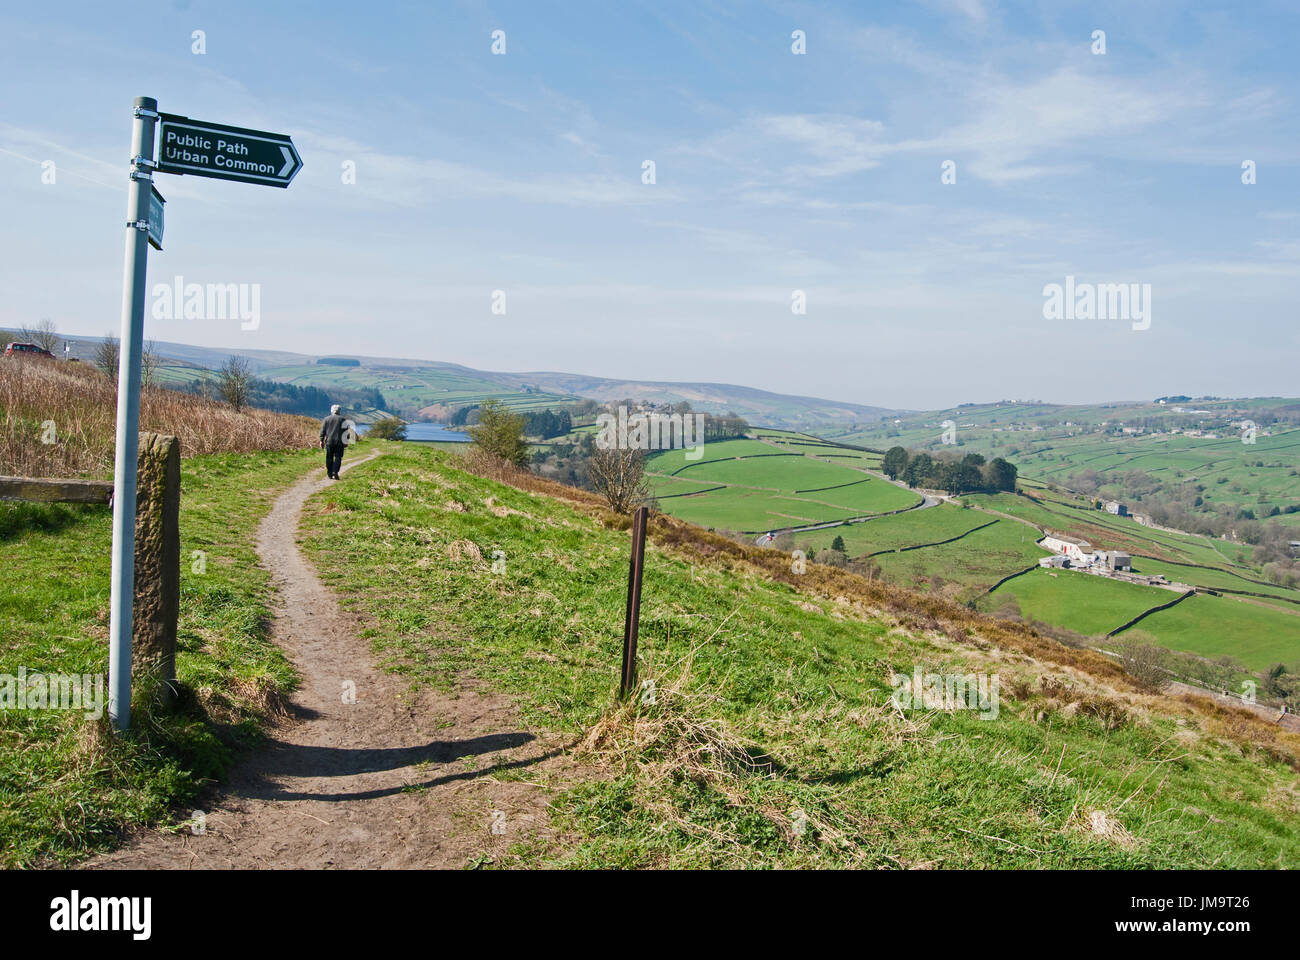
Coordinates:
(290,398)
(547,424)
(942,471)
(1144,660)
(500,433)
(387,428)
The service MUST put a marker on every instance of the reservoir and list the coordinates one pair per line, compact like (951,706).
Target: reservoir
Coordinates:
(428,433)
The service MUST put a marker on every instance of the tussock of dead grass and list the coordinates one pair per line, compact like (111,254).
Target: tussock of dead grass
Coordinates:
(1102,825)
(465,549)
(240,696)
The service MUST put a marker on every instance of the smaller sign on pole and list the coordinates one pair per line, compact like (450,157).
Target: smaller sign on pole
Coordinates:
(632,623)
(156,202)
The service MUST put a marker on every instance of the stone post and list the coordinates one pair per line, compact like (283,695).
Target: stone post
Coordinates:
(157,565)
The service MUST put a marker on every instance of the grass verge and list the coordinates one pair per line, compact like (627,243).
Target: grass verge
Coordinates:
(69,788)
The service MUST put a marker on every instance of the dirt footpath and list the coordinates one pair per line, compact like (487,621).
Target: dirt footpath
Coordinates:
(394,779)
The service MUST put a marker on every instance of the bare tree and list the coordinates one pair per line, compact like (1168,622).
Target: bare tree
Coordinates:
(205,388)
(618,475)
(107,355)
(1143,659)
(149,363)
(45,335)
(235,382)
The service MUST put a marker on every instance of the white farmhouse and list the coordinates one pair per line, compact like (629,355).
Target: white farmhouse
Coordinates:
(1078,552)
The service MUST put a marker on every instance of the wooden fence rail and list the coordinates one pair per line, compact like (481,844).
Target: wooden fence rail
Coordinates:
(43,490)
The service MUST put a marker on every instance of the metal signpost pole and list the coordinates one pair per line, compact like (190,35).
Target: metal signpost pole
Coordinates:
(128,412)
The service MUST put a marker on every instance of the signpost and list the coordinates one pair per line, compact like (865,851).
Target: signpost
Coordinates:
(205,150)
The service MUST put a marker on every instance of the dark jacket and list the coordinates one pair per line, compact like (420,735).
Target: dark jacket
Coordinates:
(331,430)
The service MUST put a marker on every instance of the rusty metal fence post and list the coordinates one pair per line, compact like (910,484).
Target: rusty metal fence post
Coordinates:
(635,570)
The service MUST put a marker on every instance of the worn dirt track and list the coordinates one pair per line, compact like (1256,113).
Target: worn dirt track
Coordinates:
(396,779)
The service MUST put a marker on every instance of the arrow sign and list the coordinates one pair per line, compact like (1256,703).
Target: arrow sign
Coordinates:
(224,152)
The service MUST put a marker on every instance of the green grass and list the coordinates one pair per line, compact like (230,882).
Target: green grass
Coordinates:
(1219,579)
(800,681)
(1082,602)
(764,492)
(408,389)
(1256,634)
(970,565)
(889,533)
(670,461)
(66,787)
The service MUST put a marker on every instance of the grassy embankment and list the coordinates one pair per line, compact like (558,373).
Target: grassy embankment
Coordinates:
(67,786)
(770,740)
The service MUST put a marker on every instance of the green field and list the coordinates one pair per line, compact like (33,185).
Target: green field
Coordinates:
(759,494)
(1258,635)
(765,488)
(903,530)
(1082,602)
(408,390)
(1057,443)
(971,564)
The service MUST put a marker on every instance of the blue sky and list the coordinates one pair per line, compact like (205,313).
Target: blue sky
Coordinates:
(775,172)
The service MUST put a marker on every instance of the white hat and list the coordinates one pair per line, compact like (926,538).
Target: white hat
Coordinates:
(335,408)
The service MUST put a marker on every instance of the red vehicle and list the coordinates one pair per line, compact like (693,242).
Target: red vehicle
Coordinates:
(26,349)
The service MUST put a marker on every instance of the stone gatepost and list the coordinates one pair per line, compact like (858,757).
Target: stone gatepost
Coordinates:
(157,565)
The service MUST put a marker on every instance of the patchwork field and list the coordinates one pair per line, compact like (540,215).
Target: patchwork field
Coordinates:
(749,486)
(963,550)
(1056,443)
(1081,602)
(409,390)
(904,530)
(972,564)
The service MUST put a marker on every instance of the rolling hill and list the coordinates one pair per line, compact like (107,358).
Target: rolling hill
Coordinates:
(427,389)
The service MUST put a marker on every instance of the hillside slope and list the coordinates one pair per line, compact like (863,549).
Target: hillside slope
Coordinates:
(763,732)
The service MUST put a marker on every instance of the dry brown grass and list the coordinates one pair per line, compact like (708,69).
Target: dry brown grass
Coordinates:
(82,404)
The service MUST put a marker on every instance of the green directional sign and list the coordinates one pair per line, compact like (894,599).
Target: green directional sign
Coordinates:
(205,149)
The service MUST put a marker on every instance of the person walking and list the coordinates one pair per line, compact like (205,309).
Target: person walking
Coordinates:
(331,441)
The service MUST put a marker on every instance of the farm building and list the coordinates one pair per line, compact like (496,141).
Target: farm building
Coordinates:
(1114,559)
(1078,551)
(1117,508)
(1055,562)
